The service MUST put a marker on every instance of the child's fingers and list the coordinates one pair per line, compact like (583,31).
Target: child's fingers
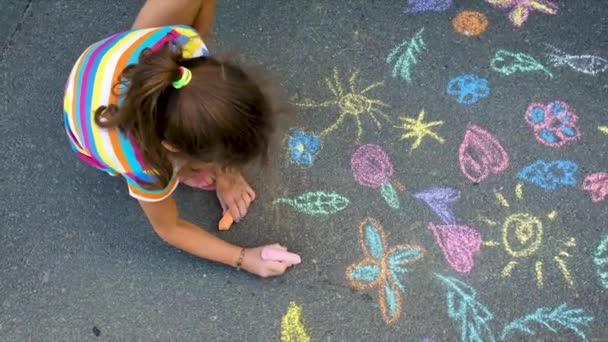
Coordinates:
(278,246)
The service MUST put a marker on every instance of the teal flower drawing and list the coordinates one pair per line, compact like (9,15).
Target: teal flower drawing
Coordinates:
(382,268)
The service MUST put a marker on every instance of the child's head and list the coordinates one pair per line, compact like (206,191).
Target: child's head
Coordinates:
(222,116)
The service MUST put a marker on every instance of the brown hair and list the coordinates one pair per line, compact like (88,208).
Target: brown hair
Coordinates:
(222,116)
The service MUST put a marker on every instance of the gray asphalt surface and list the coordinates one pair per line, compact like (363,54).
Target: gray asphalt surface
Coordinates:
(78,261)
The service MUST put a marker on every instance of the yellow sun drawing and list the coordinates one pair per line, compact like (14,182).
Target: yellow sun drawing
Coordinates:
(522,236)
(418,129)
(351,102)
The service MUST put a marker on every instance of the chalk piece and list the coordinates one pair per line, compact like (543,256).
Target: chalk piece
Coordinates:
(226,221)
(275,254)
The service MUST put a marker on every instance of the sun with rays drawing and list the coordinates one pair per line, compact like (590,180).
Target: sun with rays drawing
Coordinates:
(522,235)
(351,103)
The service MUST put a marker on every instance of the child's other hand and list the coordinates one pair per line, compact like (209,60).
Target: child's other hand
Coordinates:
(253,263)
(234,193)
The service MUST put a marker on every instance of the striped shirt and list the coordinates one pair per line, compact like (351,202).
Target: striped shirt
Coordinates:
(90,85)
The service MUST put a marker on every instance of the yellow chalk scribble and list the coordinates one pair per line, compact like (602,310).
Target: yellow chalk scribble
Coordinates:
(506,272)
(538,268)
(351,102)
(519,191)
(418,129)
(564,269)
(603,129)
(501,199)
(522,235)
(292,329)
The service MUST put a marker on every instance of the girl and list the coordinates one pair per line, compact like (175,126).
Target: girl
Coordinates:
(149,105)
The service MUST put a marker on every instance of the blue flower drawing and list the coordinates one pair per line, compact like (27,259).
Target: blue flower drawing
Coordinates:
(468,89)
(548,175)
(382,268)
(303,147)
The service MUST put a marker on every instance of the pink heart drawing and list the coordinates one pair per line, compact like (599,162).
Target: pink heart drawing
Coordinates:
(458,244)
(481,154)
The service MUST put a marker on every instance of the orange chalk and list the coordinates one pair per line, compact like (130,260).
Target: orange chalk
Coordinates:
(226,221)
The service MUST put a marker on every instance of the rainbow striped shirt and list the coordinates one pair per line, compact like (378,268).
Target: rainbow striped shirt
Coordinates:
(90,85)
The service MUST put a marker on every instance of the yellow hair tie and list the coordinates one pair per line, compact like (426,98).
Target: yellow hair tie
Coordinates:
(185,77)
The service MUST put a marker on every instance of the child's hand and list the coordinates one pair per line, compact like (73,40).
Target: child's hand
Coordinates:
(234,193)
(253,263)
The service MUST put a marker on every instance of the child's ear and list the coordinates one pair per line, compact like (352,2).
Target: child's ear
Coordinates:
(169,147)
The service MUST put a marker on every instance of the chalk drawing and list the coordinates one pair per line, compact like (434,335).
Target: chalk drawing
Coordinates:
(428,339)
(303,147)
(597,186)
(600,259)
(405,56)
(350,102)
(292,329)
(371,167)
(416,6)
(439,199)
(382,268)
(316,203)
(507,63)
(468,88)
(522,235)
(470,23)
(417,129)
(587,64)
(549,175)
(603,129)
(463,307)
(481,154)
(459,244)
(552,319)
(519,10)
(555,124)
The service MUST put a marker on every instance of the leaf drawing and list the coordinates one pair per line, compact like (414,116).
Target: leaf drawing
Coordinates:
(292,329)
(404,56)
(464,308)
(507,63)
(600,259)
(316,203)
(552,319)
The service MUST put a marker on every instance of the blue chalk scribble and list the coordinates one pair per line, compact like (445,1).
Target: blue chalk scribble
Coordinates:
(468,89)
(303,147)
(552,319)
(464,308)
(548,175)
(416,6)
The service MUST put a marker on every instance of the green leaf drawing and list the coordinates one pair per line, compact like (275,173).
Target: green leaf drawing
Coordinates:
(552,319)
(463,307)
(405,56)
(390,195)
(316,203)
(507,63)
(600,259)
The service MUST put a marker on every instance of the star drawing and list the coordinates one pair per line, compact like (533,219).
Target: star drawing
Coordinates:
(417,129)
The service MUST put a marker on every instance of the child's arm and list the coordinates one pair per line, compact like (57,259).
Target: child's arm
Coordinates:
(165,220)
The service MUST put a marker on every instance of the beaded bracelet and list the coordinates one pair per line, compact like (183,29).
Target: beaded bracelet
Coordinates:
(239,262)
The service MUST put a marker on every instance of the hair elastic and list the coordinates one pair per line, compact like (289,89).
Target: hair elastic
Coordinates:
(185,77)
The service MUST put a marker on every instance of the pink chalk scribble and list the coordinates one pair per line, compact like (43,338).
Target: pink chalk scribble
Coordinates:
(597,185)
(458,243)
(481,154)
